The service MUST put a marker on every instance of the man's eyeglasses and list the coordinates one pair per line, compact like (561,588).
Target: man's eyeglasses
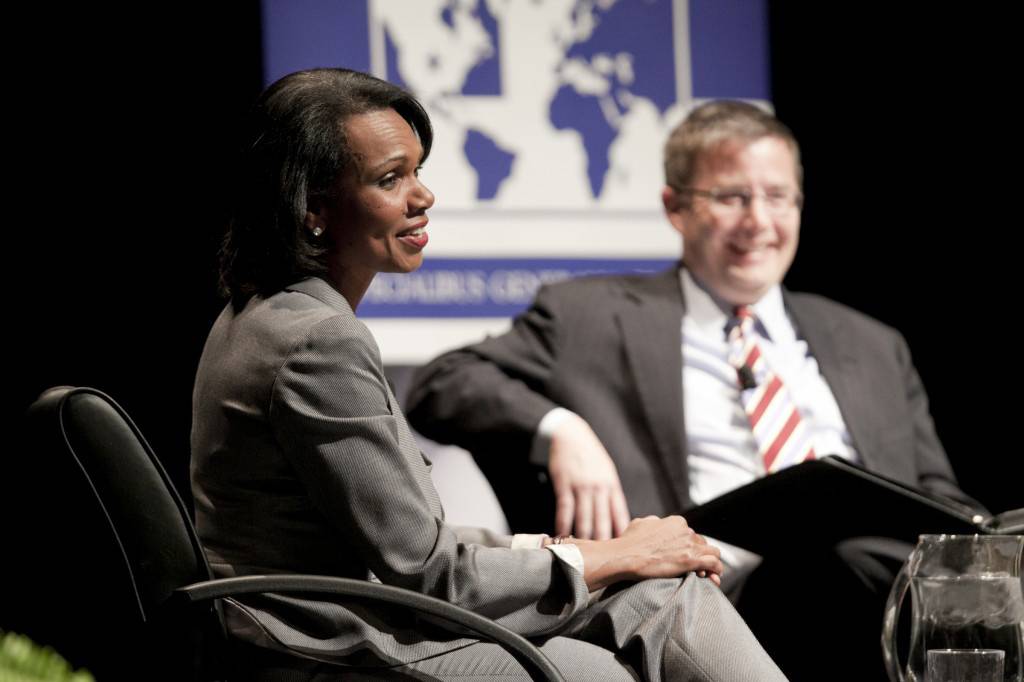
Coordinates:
(736,200)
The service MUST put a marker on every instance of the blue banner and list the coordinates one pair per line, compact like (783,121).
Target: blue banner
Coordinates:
(483,287)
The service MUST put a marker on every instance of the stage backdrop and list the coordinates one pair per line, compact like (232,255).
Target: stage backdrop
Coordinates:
(549,118)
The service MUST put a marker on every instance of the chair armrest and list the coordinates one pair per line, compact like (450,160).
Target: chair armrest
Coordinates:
(532,660)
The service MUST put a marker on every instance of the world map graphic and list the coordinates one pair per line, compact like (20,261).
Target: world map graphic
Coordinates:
(553,104)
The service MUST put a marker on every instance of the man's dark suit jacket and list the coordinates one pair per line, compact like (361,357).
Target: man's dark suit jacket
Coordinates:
(609,349)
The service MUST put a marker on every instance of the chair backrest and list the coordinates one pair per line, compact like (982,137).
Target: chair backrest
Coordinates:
(114,541)
(145,515)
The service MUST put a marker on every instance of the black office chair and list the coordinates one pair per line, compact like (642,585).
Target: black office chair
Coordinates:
(80,437)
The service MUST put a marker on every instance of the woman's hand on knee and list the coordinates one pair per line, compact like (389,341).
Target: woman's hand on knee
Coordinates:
(650,547)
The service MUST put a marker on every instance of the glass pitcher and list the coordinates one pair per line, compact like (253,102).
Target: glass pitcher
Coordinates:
(966,594)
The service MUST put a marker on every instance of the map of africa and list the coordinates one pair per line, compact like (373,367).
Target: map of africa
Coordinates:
(578,122)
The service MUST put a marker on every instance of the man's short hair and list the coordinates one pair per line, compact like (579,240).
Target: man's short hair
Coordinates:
(714,123)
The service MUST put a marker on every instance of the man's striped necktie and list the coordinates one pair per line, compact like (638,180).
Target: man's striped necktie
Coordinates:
(781,435)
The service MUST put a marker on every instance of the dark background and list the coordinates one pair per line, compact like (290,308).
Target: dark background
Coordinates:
(120,125)
(909,139)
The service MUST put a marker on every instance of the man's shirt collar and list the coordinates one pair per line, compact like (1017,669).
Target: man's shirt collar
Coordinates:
(709,312)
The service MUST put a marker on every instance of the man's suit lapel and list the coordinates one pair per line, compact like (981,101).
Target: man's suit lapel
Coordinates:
(839,364)
(650,319)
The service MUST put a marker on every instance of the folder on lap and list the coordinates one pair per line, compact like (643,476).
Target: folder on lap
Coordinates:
(835,500)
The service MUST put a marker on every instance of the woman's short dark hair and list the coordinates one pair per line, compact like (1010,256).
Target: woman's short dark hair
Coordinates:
(293,149)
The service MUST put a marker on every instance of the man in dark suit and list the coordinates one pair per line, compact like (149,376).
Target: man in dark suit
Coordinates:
(649,394)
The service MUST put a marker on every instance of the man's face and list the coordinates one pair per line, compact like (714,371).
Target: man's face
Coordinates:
(741,241)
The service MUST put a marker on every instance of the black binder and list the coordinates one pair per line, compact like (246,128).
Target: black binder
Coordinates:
(832,500)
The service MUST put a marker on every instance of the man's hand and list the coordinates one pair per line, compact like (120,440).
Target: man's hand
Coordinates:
(588,495)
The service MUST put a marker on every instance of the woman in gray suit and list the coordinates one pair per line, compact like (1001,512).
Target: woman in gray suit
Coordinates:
(302,461)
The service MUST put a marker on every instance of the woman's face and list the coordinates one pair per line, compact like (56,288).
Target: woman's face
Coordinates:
(375,219)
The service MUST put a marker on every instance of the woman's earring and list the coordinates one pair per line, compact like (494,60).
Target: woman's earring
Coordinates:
(317,231)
